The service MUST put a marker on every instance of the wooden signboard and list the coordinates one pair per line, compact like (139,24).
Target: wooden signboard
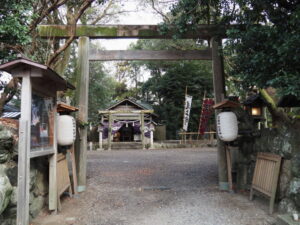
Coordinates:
(265,176)
(37,133)
(63,177)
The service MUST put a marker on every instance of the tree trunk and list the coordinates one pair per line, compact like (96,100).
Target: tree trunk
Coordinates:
(8,93)
(279,117)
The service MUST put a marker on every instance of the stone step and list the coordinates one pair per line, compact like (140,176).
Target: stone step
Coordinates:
(126,145)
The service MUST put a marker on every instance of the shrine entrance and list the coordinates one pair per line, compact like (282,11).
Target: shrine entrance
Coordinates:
(126,133)
(211,33)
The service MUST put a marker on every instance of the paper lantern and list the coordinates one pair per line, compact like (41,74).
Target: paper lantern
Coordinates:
(66,130)
(227,126)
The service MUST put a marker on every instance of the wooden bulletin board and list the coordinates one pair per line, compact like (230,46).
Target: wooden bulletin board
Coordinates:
(265,178)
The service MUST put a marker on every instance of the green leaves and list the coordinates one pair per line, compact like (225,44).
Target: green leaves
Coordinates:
(14,18)
(265,56)
(265,53)
(101,90)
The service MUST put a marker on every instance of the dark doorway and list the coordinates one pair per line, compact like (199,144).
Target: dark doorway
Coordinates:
(126,132)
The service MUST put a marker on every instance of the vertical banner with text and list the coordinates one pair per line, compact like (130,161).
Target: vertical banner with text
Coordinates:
(187,109)
(206,113)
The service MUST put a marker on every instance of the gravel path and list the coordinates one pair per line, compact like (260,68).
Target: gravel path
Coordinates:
(157,187)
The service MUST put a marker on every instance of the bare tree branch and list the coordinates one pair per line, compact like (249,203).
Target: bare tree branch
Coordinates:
(17,48)
(102,15)
(81,10)
(8,93)
(43,14)
(159,12)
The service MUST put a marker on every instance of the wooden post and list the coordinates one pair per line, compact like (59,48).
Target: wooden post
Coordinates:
(24,153)
(151,139)
(83,70)
(219,92)
(100,141)
(75,186)
(53,195)
(211,137)
(109,130)
(229,171)
(143,130)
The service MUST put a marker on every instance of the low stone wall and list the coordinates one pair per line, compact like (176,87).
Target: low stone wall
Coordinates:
(189,144)
(8,178)
(284,142)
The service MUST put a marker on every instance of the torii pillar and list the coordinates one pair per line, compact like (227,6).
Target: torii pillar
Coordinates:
(82,103)
(219,92)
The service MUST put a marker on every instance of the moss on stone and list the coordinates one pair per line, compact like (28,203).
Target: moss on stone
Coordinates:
(91,31)
(47,31)
(5,192)
(148,33)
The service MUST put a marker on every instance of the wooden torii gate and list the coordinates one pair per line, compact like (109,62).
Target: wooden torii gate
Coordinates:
(213,33)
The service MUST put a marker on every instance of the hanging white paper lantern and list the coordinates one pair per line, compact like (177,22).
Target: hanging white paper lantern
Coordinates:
(227,126)
(66,130)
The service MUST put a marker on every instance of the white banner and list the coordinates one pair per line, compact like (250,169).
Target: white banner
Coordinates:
(187,109)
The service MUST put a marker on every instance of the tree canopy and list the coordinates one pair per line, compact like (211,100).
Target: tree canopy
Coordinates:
(14,26)
(263,52)
(267,53)
(18,33)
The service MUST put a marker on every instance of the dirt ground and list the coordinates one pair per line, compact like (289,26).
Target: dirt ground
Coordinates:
(157,187)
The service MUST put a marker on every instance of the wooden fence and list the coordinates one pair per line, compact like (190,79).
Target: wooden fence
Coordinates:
(195,137)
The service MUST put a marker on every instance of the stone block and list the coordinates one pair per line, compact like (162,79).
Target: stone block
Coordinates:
(284,178)
(294,186)
(6,145)
(5,192)
(3,168)
(36,205)
(294,191)
(12,173)
(33,173)
(287,206)
(295,169)
(242,176)
(13,197)
(41,184)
